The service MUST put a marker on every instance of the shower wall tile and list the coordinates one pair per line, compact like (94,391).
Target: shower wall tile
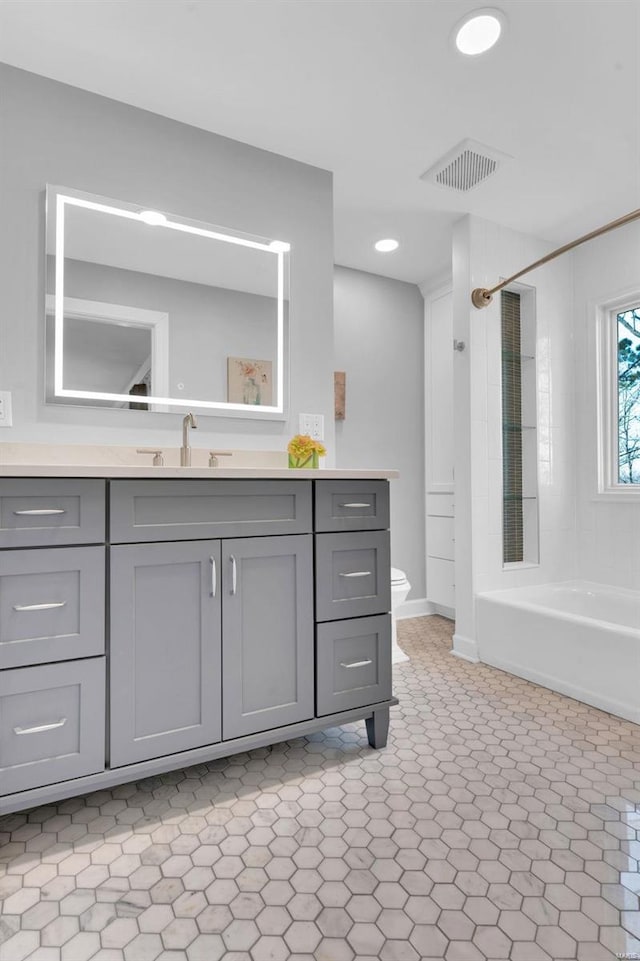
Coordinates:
(482,252)
(608,533)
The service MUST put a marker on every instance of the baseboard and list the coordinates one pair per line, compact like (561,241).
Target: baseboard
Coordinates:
(420,607)
(442,611)
(465,648)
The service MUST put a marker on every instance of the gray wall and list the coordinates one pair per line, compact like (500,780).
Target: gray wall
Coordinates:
(379,334)
(54,133)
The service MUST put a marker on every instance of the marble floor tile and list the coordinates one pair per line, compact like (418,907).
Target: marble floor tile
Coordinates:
(501,822)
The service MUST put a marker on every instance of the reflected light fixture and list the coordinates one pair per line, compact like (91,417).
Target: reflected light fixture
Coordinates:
(280,246)
(387,245)
(479,31)
(153,217)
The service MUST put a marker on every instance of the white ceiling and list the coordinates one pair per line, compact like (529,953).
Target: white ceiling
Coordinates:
(374,91)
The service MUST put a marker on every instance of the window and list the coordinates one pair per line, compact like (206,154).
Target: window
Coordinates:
(628,390)
(619,398)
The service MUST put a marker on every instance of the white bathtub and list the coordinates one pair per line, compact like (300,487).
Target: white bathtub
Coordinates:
(574,637)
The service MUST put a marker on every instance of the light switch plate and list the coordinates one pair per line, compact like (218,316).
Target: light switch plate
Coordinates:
(6,416)
(313,425)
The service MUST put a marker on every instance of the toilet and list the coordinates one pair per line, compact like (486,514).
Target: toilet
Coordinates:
(400,587)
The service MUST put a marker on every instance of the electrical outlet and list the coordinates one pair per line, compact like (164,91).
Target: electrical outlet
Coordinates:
(6,417)
(313,425)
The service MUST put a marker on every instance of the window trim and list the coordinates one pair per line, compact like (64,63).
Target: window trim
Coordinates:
(609,487)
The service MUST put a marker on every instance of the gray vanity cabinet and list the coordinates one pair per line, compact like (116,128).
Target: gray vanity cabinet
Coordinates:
(147,624)
(165,649)
(268,643)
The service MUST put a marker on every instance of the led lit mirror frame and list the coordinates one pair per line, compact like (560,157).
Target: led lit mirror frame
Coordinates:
(59,198)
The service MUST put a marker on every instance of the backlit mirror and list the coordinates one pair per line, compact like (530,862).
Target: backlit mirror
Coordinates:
(149,311)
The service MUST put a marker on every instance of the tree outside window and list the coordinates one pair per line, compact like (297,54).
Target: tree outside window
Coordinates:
(628,337)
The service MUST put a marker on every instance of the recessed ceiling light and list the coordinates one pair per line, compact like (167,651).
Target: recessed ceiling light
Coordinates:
(479,31)
(152,217)
(387,245)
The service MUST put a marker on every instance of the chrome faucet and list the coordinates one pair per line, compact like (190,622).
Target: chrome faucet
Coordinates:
(185,450)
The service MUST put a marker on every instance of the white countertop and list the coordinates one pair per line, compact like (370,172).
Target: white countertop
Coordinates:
(86,460)
(128,470)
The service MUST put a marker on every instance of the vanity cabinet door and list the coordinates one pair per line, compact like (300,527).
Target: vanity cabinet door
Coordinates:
(165,649)
(267,612)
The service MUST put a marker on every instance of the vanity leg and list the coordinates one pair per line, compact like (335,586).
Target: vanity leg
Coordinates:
(378,727)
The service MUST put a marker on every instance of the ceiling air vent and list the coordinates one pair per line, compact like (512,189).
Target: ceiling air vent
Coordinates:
(466,166)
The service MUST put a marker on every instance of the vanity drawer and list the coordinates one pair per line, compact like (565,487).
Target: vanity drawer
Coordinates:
(353,663)
(52,723)
(49,512)
(351,505)
(160,510)
(51,605)
(353,575)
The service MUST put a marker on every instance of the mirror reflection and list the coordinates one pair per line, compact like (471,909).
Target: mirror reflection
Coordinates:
(147,311)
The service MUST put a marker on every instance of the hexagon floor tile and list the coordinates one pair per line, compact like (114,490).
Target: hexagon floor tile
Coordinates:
(502,821)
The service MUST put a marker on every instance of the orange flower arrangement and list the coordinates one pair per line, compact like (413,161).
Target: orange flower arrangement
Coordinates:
(304,451)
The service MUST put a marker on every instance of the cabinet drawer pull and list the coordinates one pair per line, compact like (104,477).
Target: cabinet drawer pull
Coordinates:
(39,607)
(356,574)
(355,504)
(41,512)
(234,574)
(40,727)
(356,664)
(214,577)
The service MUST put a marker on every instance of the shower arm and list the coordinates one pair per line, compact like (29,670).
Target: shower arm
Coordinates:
(482,297)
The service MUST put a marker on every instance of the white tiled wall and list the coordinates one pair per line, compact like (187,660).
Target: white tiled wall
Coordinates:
(608,533)
(581,534)
(483,253)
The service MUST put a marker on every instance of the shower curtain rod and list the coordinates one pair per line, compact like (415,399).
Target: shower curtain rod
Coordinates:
(481,297)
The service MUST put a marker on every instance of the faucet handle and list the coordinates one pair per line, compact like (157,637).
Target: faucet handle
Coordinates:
(214,454)
(158,459)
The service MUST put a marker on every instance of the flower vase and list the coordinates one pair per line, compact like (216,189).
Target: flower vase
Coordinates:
(309,462)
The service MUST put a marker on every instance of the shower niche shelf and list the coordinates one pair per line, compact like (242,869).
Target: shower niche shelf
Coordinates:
(516,355)
(520,535)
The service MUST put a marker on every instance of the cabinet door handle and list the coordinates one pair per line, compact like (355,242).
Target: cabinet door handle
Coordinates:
(41,512)
(355,504)
(40,727)
(234,574)
(39,607)
(214,577)
(356,664)
(356,574)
